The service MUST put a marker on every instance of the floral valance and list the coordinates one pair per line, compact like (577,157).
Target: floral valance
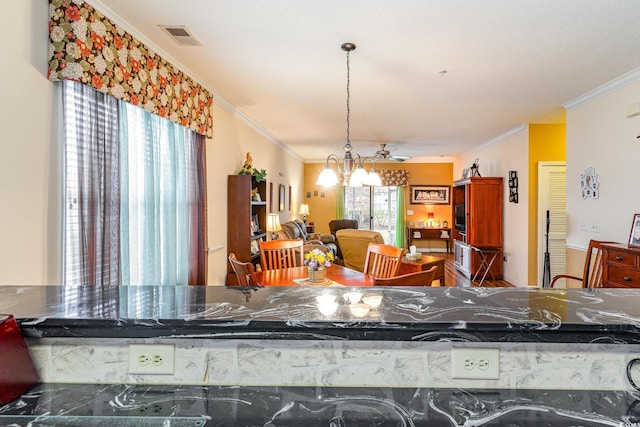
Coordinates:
(86,46)
(394,177)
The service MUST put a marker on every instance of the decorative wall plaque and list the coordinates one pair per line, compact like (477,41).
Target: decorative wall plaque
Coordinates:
(589,187)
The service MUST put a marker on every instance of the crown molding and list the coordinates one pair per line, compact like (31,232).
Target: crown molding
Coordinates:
(615,84)
(499,138)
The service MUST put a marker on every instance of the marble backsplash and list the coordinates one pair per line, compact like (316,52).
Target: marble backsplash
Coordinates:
(336,363)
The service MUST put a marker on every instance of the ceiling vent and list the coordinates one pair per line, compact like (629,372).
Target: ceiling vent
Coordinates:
(181,35)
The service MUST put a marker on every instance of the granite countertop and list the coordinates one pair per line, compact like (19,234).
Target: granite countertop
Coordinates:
(91,405)
(406,314)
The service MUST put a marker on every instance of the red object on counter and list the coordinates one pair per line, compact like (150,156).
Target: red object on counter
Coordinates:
(17,372)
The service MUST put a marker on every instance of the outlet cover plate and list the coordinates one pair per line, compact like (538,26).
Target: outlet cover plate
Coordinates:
(475,363)
(152,359)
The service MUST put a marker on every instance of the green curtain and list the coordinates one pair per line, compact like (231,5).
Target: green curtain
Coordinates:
(340,202)
(401,219)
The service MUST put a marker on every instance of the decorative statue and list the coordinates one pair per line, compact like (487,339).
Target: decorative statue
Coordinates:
(247,168)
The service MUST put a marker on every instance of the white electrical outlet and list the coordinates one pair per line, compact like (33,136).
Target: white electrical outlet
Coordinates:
(475,363)
(154,359)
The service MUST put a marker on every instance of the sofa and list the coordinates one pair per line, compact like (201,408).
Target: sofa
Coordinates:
(354,245)
(296,229)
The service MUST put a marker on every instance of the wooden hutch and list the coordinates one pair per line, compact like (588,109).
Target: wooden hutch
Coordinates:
(477,204)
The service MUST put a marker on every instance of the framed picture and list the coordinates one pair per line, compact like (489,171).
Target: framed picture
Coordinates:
(255,248)
(634,236)
(465,173)
(281,198)
(430,194)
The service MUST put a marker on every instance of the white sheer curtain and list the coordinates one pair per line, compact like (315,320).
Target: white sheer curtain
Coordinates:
(159,161)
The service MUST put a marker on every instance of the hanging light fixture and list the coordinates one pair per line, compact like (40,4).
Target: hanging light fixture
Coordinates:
(352,170)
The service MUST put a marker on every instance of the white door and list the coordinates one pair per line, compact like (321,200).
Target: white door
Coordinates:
(552,197)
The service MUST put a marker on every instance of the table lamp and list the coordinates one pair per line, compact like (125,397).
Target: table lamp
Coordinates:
(304,211)
(430,216)
(273,224)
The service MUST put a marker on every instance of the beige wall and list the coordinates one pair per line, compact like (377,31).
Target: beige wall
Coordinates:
(30,159)
(599,135)
(30,156)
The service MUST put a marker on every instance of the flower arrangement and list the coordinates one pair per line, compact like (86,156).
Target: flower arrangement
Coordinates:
(317,258)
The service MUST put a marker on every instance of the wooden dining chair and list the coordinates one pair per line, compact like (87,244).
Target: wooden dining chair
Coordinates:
(420,278)
(285,253)
(382,260)
(593,267)
(244,271)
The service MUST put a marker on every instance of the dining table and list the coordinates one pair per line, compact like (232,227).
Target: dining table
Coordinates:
(294,276)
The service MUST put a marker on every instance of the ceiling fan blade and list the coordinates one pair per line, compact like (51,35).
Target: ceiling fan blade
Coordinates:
(400,158)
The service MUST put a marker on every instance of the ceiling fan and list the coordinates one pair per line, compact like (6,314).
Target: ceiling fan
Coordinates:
(384,154)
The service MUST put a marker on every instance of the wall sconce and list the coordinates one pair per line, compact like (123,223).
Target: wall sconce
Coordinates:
(273,225)
(304,211)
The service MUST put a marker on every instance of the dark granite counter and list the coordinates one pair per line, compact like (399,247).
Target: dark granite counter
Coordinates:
(134,405)
(597,316)
(406,314)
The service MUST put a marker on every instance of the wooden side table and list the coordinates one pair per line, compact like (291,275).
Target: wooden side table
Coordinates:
(425,263)
(429,234)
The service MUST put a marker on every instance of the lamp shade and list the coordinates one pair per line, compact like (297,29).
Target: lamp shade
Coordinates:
(327,177)
(273,222)
(358,177)
(304,209)
(373,179)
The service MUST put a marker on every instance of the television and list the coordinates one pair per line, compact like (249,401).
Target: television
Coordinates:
(459,217)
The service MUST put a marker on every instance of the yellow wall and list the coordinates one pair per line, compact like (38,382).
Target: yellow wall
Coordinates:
(322,209)
(546,143)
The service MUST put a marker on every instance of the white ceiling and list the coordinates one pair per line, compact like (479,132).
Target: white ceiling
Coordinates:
(508,62)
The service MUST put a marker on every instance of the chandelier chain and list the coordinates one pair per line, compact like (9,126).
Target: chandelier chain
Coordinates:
(348,98)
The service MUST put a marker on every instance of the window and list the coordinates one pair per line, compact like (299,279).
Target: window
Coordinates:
(134,191)
(374,208)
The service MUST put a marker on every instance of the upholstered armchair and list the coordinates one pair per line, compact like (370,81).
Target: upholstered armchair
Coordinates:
(354,245)
(296,229)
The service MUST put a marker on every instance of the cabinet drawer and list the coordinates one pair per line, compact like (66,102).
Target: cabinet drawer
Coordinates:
(622,258)
(623,277)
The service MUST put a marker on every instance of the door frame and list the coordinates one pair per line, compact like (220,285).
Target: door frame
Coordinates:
(542,220)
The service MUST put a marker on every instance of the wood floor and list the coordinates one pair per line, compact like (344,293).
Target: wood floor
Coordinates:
(455,278)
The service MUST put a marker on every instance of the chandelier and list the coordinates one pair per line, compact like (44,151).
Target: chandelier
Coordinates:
(352,170)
